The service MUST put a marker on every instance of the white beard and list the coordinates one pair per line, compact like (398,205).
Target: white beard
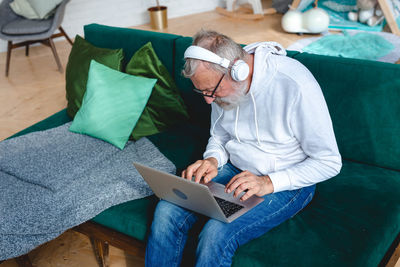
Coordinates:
(233,100)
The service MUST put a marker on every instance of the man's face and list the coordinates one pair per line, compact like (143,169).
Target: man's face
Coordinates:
(227,95)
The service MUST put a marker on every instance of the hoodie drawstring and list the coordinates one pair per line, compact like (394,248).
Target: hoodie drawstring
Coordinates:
(236,124)
(255,118)
(213,127)
(216,121)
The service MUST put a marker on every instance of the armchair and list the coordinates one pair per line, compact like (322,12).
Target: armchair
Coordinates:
(14,28)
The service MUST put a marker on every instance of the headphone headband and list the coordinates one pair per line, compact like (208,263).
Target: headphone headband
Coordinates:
(201,53)
(239,70)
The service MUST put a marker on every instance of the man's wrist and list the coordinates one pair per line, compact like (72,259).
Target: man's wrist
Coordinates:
(213,161)
(269,186)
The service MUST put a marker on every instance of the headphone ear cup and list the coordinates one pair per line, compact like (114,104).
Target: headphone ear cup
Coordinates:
(239,71)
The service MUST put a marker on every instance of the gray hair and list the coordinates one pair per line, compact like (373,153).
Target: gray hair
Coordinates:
(217,43)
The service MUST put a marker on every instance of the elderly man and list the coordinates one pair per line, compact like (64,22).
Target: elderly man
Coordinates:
(271,136)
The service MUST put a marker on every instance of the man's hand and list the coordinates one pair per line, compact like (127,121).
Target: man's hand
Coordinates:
(255,185)
(207,168)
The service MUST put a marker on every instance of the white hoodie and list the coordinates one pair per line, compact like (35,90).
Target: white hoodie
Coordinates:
(282,129)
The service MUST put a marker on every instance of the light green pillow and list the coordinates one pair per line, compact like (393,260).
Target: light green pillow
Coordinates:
(24,8)
(44,7)
(112,104)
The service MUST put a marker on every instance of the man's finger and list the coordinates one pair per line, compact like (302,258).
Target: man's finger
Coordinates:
(234,178)
(210,175)
(243,186)
(189,172)
(235,182)
(201,171)
(248,194)
(192,169)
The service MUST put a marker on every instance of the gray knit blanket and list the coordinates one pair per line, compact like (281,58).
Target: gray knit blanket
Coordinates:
(53,180)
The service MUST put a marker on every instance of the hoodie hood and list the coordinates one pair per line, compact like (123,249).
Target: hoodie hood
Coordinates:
(265,47)
(264,54)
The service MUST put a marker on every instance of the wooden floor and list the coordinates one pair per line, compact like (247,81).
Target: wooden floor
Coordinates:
(35,90)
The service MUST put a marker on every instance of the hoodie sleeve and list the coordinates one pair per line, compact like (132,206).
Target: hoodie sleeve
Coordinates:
(311,124)
(218,138)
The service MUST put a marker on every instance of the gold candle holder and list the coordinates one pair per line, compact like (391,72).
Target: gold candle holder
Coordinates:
(158,17)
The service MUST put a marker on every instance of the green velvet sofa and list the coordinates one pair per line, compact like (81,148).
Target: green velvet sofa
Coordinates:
(354,218)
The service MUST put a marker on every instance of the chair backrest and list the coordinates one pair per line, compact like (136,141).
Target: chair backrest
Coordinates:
(58,16)
(6,13)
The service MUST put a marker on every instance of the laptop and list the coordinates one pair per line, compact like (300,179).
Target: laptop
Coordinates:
(208,199)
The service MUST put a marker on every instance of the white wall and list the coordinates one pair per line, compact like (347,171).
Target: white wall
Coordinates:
(122,13)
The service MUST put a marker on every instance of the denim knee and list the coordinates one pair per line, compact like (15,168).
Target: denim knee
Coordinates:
(168,235)
(216,247)
(162,218)
(169,218)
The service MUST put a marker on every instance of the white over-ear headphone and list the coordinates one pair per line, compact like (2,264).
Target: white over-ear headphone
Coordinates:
(239,70)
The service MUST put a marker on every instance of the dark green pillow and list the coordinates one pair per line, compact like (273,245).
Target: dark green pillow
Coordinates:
(165,107)
(76,73)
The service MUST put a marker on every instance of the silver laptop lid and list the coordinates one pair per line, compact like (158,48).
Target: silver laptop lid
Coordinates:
(182,192)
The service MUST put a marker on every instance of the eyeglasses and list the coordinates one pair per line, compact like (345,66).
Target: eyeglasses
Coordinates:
(206,92)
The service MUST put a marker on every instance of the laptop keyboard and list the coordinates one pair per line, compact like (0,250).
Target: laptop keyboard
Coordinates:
(227,207)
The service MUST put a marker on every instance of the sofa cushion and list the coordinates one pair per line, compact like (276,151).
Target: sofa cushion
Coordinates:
(366,119)
(76,73)
(112,104)
(352,221)
(165,107)
(132,218)
(130,40)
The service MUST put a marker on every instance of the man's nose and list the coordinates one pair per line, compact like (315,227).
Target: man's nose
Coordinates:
(209,100)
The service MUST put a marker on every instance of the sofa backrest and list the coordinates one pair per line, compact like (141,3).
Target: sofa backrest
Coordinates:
(362,96)
(130,40)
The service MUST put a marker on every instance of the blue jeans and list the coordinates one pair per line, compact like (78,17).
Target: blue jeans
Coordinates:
(218,241)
